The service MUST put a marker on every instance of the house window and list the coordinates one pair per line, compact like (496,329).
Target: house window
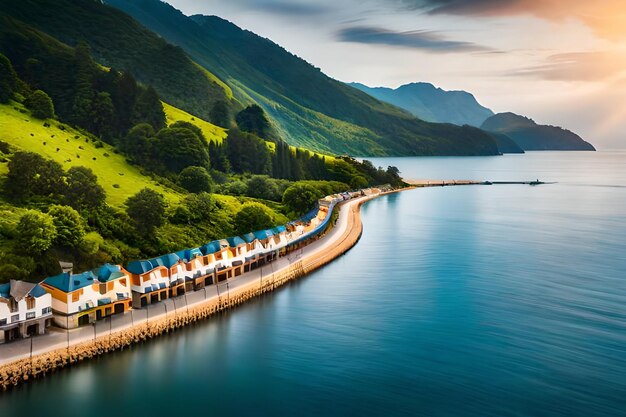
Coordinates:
(3,322)
(15,318)
(103,288)
(109,286)
(30,315)
(123,281)
(12,305)
(75,296)
(30,303)
(46,310)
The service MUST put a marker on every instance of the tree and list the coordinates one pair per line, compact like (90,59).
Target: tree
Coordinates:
(148,109)
(36,232)
(83,191)
(301,197)
(138,143)
(31,175)
(69,225)
(220,114)
(248,153)
(147,210)
(40,105)
(262,186)
(196,208)
(195,180)
(8,79)
(180,147)
(102,113)
(253,216)
(252,119)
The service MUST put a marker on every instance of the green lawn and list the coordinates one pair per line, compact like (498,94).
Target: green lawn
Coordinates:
(211,132)
(70,147)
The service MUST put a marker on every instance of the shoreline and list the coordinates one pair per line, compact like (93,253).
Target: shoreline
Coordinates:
(349,227)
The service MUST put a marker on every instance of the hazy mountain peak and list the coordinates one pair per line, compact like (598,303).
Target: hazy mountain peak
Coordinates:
(432,103)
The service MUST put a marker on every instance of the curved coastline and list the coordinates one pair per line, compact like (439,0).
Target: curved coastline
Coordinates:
(341,238)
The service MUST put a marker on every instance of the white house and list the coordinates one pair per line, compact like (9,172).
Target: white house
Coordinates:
(25,310)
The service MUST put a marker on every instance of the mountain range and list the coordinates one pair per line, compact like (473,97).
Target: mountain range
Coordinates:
(208,66)
(308,108)
(432,104)
(511,132)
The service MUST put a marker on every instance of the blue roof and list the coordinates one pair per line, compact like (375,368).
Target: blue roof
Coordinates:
(68,283)
(37,291)
(279,229)
(139,267)
(108,272)
(263,234)
(167,261)
(235,241)
(188,254)
(5,290)
(210,248)
(249,237)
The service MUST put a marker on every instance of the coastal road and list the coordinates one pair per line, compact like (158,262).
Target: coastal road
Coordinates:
(58,338)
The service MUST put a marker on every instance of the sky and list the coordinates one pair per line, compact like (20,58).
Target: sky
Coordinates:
(560,62)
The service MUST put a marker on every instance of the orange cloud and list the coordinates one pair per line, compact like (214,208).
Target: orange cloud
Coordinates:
(606,17)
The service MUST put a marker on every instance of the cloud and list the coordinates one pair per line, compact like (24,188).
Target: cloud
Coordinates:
(418,39)
(577,66)
(290,8)
(606,17)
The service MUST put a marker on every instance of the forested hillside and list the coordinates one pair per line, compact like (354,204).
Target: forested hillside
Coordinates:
(309,108)
(95,168)
(118,41)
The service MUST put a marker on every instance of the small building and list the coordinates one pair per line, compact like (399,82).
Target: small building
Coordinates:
(115,290)
(149,284)
(175,272)
(197,268)
(25,310)
(80,299)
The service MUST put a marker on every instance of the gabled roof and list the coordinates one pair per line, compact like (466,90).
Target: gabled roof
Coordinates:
(249,237)
(279,229)
(20,289)
(67,282)
(211,247)
(108,272)
(139,267)
(263,234)
(37,291)
(235,241)
(188,254)
(167,261)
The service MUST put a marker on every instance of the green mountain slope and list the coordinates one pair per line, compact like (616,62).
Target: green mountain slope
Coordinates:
(432,104)
(71,147)
(308,108)
(531,136)
(118,41)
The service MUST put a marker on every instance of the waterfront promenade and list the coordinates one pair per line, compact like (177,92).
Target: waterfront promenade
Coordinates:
(340,238)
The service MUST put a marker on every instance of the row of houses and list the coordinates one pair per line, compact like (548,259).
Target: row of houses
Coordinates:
(72,300)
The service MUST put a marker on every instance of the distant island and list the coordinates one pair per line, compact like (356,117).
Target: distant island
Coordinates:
(531,136)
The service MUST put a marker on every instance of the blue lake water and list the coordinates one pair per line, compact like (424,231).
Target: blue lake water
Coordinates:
(503,300)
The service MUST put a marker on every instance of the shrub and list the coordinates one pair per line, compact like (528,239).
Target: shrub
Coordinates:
(40,105)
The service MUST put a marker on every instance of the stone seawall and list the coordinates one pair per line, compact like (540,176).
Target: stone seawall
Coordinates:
(23,370)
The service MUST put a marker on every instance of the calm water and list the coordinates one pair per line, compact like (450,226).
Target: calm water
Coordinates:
(458,301)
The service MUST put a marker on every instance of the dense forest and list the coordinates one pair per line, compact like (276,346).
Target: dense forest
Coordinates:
(62,212)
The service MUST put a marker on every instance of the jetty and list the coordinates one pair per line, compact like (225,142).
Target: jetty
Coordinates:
(445,183)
